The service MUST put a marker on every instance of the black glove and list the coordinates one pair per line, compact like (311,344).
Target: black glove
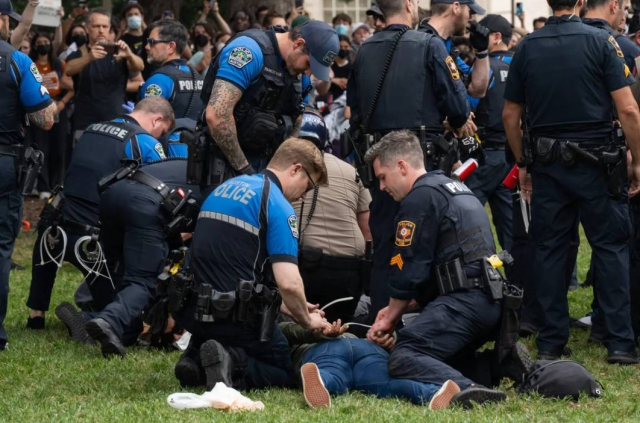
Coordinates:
(479,36)
(247,170)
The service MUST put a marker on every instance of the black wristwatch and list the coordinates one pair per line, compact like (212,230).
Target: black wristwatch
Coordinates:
(521,164)
(247,170)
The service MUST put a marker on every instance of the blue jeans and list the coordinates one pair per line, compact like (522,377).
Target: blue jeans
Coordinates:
(10,215)
(357,364)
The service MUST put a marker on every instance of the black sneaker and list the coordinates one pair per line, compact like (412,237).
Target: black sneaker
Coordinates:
(477,395)
(517,364)
(527,330)
(74,322)
(102,332)
(188,370)
(623,357)
(35,323)
(552,356)
(16,266)
(217,364)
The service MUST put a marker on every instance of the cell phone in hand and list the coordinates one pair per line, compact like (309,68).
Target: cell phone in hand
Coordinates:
(519,9)
(110,48)
(299,3)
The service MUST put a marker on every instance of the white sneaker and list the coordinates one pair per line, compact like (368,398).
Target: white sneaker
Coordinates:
(45,195)
(441,399)
(315,393)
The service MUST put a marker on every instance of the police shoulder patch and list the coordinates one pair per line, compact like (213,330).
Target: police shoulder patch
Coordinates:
(453,69)
(293,225)
(404,233)
(159,150)
(34,71)
(615,45)
(240,57)
(153,90)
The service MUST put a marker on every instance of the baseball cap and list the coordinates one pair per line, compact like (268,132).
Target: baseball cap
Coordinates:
(313,128)
(471,3)
(322,42)
(497,23)
(374,10)
(360,25)
(7,9)
(302,19)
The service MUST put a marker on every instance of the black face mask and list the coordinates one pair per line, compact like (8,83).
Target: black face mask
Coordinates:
(43,49)
(201,40)
(343,54)
(79,39)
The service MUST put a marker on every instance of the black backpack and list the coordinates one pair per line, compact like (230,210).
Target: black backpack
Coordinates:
(560,379)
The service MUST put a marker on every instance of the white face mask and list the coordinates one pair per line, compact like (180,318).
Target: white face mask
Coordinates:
(134,22)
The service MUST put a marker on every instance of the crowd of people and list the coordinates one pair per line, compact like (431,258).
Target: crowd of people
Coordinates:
(221,183)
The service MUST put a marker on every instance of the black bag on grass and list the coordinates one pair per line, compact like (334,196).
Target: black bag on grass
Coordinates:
(560,379)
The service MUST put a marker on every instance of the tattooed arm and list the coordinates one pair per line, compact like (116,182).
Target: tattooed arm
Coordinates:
(222,125)
(43,119)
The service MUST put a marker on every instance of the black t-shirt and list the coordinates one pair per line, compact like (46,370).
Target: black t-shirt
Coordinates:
(100,90)
(339,72)
(135,42)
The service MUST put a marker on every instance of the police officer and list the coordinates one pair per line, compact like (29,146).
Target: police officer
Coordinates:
(135,213)
(421,88)
(451,18)
(334,230)
(486,182)
(256,234)
(441,229)
(98,153)
(253,93)
(174,80)
(22,93)
(569,182)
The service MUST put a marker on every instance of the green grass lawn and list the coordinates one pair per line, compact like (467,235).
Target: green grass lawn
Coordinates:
(44,377)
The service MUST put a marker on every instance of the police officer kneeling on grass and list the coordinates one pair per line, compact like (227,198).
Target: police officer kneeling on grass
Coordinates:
(243,259)
(442,245)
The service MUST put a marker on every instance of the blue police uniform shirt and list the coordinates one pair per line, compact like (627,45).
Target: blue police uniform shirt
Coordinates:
(226,244)
(561,65)
(33,95)
(629,49)
(175,148)
(160,85)
(448,43)
(474,101)
(150,149)
(241,62)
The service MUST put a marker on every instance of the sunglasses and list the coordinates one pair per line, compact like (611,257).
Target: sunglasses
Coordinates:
(152,42)
(312,185)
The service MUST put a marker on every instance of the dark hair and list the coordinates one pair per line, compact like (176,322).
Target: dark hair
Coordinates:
(343,38)
(130,6)
(266,22)
(170,30)
(556,5)
(33,54)
(544,20)
(67,38)
(220,35)
(341,17)
(296,33)
(207,28)
(260,9)
(438,9)
(99,11)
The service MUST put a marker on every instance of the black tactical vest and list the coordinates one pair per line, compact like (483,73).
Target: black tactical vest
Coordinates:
(467,231)
(489,110)
(99,152)
(407,100)
(187,88)
(268,108)
(13,114)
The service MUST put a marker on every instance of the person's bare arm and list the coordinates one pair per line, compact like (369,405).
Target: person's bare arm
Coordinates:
(289,282)
(629,116)
(134,62)
(222,24)
(23,27)
(75,66)
(135,82)
(511,120)
(222,124)
(43,119)
(57,38)
(479,78)
(363,224)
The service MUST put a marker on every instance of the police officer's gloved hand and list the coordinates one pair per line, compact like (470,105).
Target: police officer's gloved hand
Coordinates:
(478,36)
(247,170)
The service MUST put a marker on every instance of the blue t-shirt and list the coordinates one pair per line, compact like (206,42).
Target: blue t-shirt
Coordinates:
(227,245)
(160,85)
(240,62)
(150,150)
(33,95)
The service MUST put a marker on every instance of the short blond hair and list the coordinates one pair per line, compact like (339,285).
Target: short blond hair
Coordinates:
(296,150)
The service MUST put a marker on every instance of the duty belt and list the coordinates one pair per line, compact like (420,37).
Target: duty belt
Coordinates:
(451,277)
(152,182)
(79,228)
(10,150)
